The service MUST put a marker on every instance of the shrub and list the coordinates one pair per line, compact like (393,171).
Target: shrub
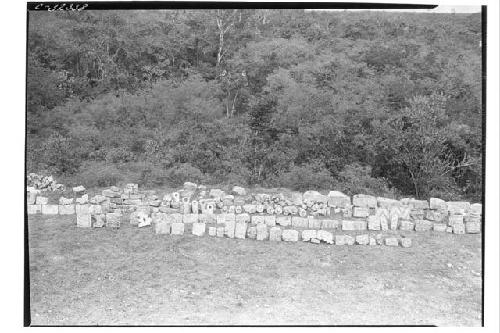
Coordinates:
(99,175)
(305,177)
(356,179)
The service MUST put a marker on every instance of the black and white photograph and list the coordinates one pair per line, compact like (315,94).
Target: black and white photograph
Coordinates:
(257,164)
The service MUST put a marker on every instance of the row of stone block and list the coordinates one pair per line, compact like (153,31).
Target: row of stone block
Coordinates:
(108,220)
(261,232)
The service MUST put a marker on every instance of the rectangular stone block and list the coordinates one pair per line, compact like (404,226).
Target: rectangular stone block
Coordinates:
(50,209)
(472,227)
(252,232)
(258,219)
(275,234)
(325,236)
(440,227)
(31,198)
(438,204)
(307,235)
(34,209)
(161,227)
(349,240)
(220,218)
(270,220)
(98,220)
(363,200)
(331,224)
(340,240)
(351,225)
(67,209)
(423,225)
(177,228)
(435,215)
(391,241)
(174,218)
(394,222)
(220,231)
(290,235)
(284,221)
(387,202)
(262,233)
(83,221)
(362,239)
(406,242)
(455,219)
(132,202)
(212,231)
(313,223)
(82,209)
(458,207)
(41,200)
(373,222)
(458,228)
(113,220)
(417,214)
(206,218)
(418,204)
(473,218)
(198,229)
(299,222)
(229,228)
(245,218)
(338,199)
(360,212)
(406,225)
(240,229)
(190,218)
(476,209)
(95,209)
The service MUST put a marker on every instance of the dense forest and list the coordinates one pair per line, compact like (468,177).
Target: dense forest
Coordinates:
(362,102)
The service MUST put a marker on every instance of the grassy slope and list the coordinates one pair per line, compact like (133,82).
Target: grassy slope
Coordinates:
(131,276)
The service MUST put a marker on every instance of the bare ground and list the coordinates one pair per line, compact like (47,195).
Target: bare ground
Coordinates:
(132,277)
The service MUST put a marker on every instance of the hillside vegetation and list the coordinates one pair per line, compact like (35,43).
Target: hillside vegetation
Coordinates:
(382,103)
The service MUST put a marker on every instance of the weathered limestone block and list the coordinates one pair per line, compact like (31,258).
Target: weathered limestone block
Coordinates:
(349,225)
(190,218)
(402,212)
(284,220)
(270,220)
(275,234)
(299,222)
(416,204)
(455,219)
(65,201)
(435,215)
(363,200)
(249,208)
(177,228)
(83,221)
(185,208)
(229,228)
(387,202)
(458,207)
(174,218)
(458,228)
(140,218)
(472,218)
(34,209)
(98,220)
(372,241)
(438,204)
(340,240)
(313,223)
(195,209)
(406,242)
(338,199)
(476,209)
(212,231)
(113,220)
(161,227)
(258,219)
(78,189)
(394,222)
(440,227)
(41,200)
(278,210)
(67,209)
(252,232)
(95,209)
(406,225)
(314,196)
(362,239)
(238,209)
(239,190)
(373,222)
(50,209)
(259,208)
(325,236)
(290,235)
(208,208)
(349,240)
(472,227)
(206,218)
(82,209)
(360,212)
(198,229)
(331,224)
(417,214)
(262,233)
(83,199)
(391,241)
(423,225)
(111,194)
(220,231)
(302,212)
(240,229)
(220,218)
(308,234)
(132,202)
(216,193)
